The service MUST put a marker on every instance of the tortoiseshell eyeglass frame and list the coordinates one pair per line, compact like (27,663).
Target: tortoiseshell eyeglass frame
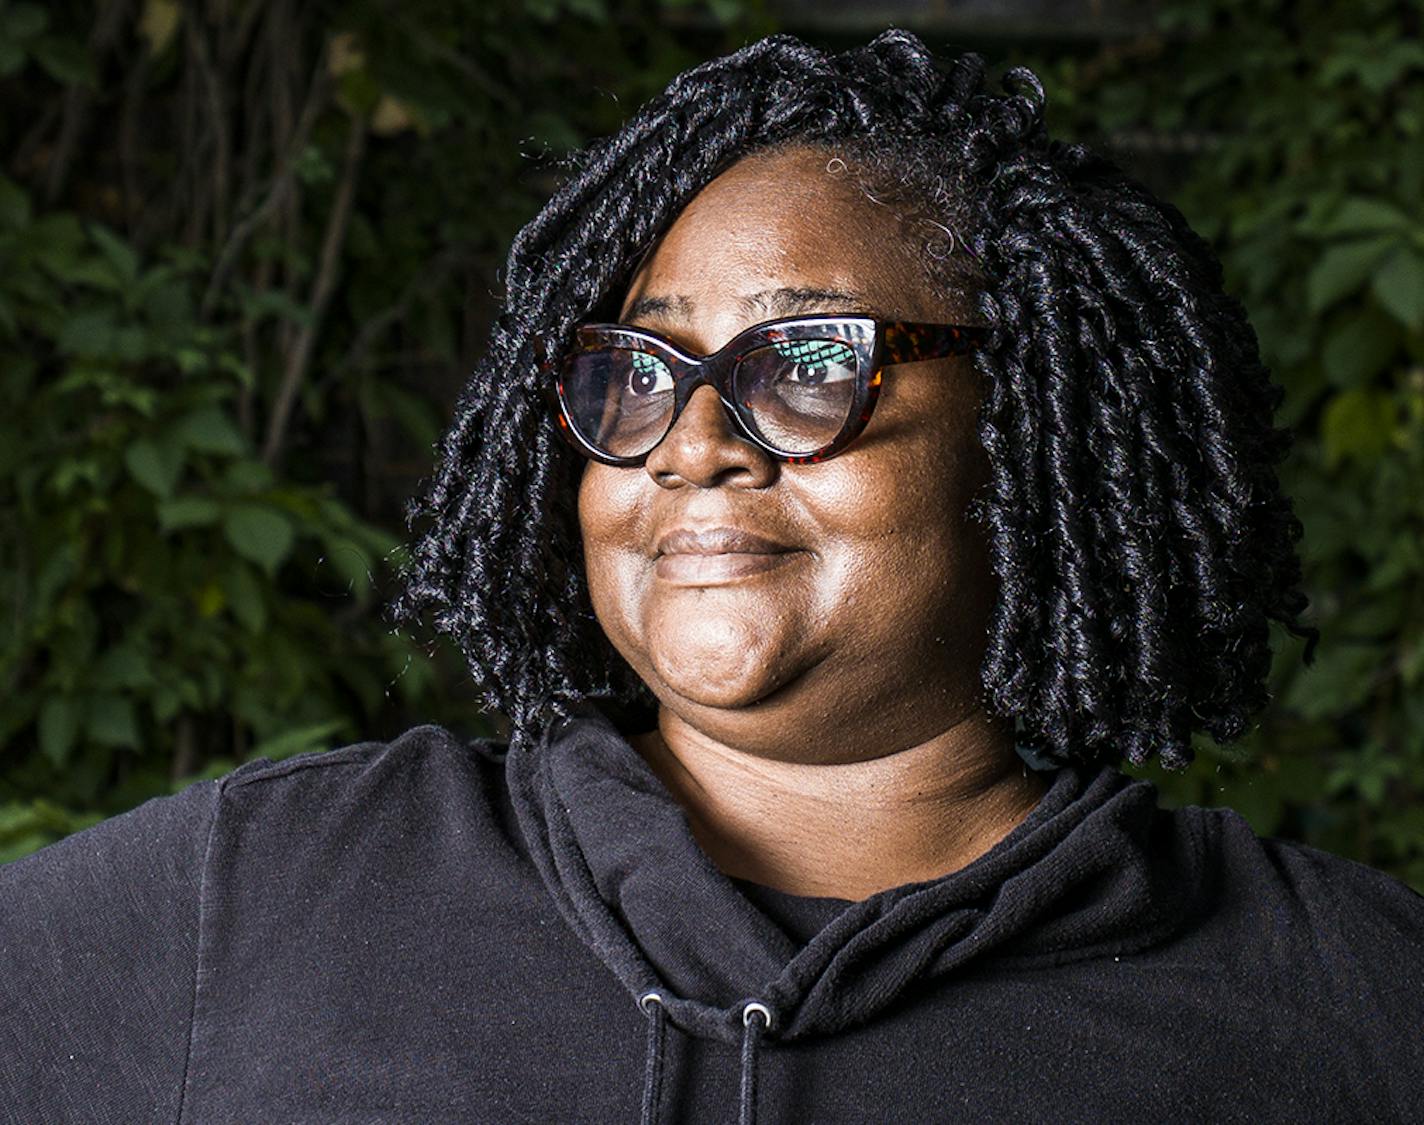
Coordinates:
(877,344)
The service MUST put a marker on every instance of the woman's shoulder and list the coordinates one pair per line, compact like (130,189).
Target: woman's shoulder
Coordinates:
(313,816)
(1285,904)
(424,758)
(411,791)
(1249,864)
(312,794)
(225,865)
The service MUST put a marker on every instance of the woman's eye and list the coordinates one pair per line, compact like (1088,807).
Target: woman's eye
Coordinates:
(814,362)
(648,375)
(816,374)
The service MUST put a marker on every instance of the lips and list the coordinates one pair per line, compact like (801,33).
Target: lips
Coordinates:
(717,541)
(718,556)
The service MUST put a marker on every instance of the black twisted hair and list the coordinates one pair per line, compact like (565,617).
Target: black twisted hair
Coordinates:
(1135,521)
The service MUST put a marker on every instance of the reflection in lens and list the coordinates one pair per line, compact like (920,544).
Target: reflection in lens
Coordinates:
(618,400)
(799,393)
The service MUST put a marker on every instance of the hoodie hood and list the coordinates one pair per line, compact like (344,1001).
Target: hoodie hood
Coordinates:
(1096,869)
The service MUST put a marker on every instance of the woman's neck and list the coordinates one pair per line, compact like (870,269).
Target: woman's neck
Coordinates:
(846,830)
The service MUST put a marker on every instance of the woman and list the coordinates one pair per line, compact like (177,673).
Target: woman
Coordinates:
(854,477)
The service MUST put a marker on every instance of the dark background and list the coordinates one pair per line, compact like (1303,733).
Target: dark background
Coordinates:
(248,248)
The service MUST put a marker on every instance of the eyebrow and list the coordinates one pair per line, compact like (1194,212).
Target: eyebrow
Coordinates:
(785,301)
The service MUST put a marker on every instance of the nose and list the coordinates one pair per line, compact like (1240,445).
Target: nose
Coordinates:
(704,449)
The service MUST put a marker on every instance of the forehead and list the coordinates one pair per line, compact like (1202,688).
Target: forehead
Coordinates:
(794,219)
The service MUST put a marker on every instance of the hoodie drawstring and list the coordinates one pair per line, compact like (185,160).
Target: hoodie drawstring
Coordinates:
(750,1038)
(652,1005)
(653,1071)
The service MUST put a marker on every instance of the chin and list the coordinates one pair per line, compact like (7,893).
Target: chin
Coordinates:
(722,698)
(720,666)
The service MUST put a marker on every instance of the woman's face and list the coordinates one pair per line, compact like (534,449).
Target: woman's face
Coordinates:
(862,632)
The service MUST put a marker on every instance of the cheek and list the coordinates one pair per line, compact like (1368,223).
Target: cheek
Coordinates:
(613,525)
(898,542)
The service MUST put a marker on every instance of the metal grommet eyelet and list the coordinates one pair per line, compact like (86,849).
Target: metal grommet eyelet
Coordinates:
(650,998)
(755,1006)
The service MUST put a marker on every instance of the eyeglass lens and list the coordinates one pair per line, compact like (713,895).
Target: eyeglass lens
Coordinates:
(796,395)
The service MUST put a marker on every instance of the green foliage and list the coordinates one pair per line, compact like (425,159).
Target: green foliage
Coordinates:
(230,328)
(164,574)
(1307,169)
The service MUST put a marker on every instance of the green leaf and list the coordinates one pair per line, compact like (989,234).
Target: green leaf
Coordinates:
(111,721)
(1411,662)
(725,12)
(14,204)
(210,430)
(188,511)
(58,726)
(244,597)
(300,741)
(65,60)
(1358,215)
(1360,348)
(1381,69)
(596,11)
(89,333)
(1343,269)
(124,667)
(57,571)
(1357,423)
(1339,680)
(1368,770)
(275,302)
(1402,562)
(239,370)
(117,253)
(169,306)
(353,564)
(88,271)
(1399,285)
(1375,617)
(14,817)
(156,467)
(262,535)
(243,478)
(312,166)
(383,545)
(71,472)
(131,343)
(57,239)
(166,703)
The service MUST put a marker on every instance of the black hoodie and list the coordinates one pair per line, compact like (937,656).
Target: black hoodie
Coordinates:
(429,931)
